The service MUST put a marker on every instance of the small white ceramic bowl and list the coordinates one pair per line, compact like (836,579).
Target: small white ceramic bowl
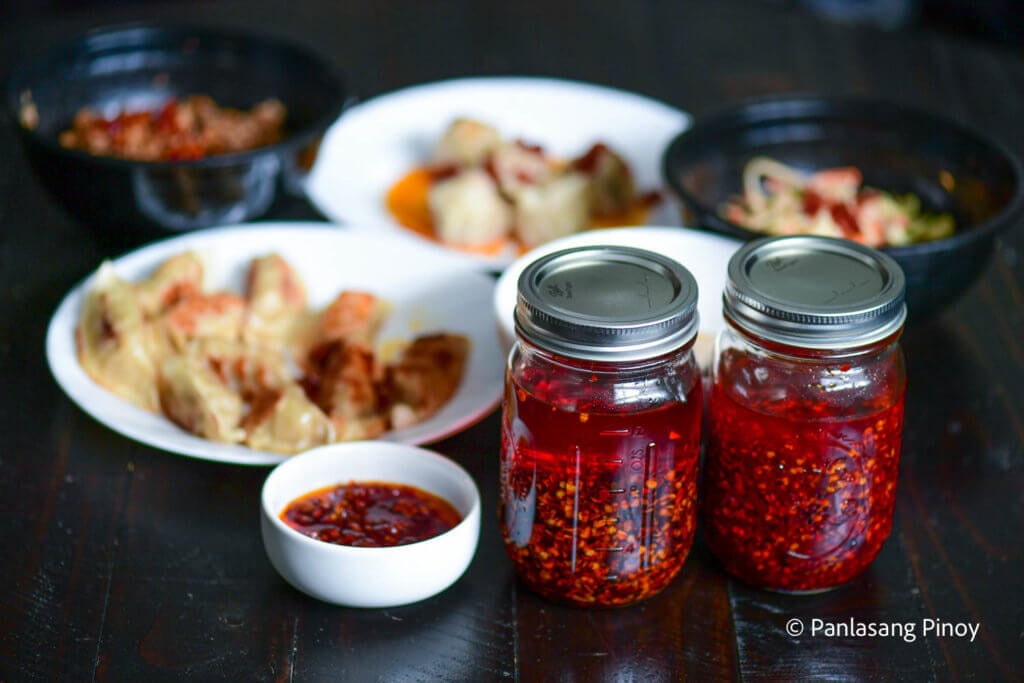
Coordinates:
(370,577)
(704,254)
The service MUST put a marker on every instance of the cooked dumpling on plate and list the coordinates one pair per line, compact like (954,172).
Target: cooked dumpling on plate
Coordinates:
(553,209)
(466,142)
(262,370)
(114,343)
(468,209)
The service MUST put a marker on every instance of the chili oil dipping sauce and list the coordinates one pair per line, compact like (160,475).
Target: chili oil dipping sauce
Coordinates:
(805,412)
(601,425)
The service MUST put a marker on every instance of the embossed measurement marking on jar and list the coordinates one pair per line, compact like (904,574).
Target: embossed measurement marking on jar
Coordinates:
(642,461)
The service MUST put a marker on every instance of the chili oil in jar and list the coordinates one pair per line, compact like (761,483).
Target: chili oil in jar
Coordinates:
(601,424)
(805,413)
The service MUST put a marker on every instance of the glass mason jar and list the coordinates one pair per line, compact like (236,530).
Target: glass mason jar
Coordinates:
(805,413)
(601,425)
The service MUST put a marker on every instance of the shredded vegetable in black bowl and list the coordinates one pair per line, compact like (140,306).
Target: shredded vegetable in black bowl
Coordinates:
(114,81)
(930,192)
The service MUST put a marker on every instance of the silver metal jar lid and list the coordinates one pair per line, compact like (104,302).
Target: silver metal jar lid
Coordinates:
(815,292)
(607,303)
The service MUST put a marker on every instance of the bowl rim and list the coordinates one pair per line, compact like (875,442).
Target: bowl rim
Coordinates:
(813,105)
(338,449)
(85,44)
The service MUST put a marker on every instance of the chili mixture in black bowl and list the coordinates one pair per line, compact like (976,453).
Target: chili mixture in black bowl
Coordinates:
(949,176)
(145,129)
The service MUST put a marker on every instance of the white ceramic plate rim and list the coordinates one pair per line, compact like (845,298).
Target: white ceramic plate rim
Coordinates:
(375,142)
(704,254)
(313,248)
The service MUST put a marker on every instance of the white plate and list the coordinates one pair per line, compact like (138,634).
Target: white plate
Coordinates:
(705,255)
(377,142)
(428,291)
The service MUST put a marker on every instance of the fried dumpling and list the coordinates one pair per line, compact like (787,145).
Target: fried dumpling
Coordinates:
(195,398)
(113,341)
(612,190)
(209,388)
(346,388)
(425,377)
(469,210)
(246,369)
(203,316)
(353,317)
(177,278)
(286,421)
(276,299)
(516,166)
(553,209)
(466,142)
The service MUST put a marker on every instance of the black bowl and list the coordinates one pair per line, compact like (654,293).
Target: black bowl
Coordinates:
(897,148)
(142,66)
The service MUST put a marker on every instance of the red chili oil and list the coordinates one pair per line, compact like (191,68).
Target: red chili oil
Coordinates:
(601,425)
(598,497)
(805,413)
(370,514)
(799,493)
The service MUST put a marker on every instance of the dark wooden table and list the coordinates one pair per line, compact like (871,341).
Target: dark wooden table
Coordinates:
(121,562)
